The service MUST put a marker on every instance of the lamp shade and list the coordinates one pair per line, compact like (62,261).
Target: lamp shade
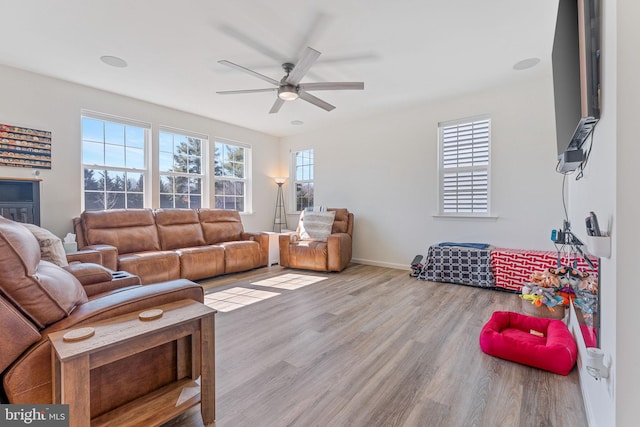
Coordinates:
(280,179)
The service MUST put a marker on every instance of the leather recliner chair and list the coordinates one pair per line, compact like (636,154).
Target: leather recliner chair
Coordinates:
(38,297)
(332,255)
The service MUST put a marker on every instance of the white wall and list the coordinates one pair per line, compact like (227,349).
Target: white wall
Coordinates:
(627,207)
(610,188)
(596,192)
(384,169)
(34,101)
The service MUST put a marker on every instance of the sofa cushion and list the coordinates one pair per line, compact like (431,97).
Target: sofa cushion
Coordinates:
(179,228)
(341,221)
(201,261)
(16,334)
(51,248)
(151,266)
(308,255)
(220,225)
(316,225)
(129,230)
(41,290)
(241,256)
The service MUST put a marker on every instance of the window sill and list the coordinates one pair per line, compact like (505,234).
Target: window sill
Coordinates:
(466,217)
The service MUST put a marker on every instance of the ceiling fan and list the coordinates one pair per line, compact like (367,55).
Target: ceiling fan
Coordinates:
(289,87)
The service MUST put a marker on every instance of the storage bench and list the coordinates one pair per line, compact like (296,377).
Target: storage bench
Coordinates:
(513,267)
(459,264)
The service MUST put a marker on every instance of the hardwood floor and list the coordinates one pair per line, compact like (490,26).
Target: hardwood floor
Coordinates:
(371,346)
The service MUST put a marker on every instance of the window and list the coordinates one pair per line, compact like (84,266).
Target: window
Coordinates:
(180,165)
(303,184)
(113,161)
(464,166)
(231,169)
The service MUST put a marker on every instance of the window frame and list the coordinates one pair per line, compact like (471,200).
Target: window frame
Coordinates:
(144,171)
(247,180)
(483,122)
(295,181)
(204,142)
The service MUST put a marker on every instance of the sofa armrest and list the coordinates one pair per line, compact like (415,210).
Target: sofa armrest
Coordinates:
(89,273)
(109,255)
(339,251)
(263,241)
(96,279)
(138,298)
(284,240)
(89,255)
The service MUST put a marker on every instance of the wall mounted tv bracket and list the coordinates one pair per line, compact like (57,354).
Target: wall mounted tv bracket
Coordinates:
(570,160)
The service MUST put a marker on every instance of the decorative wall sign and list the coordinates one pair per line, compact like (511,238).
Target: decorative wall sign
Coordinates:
(24,147)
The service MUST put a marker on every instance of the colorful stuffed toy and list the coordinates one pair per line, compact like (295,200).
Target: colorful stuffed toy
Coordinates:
(546,279)
(588,284)
(559,286)
(586,302)
(540,295)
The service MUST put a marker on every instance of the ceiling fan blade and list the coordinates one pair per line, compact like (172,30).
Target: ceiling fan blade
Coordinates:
(333,86)
(249,41)
(314,31)
(316,101)
(253,73)
(356,57)
(302,66)
(234,92)
(276,106)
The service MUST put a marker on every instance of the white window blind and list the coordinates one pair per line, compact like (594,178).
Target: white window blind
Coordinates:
(464,167)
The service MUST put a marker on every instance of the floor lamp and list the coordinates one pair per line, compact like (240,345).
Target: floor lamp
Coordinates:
(280,216)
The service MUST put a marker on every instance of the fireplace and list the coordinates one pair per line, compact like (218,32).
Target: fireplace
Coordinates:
(20,199)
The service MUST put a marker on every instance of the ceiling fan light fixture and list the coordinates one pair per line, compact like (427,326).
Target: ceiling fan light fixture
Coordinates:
(290,87)
(287,93)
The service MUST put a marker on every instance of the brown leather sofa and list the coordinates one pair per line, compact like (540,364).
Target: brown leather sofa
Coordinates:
(38,298)
(332,255)
(166,244)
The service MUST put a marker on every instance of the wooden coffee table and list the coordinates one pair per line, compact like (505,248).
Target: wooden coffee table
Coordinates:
(187,322)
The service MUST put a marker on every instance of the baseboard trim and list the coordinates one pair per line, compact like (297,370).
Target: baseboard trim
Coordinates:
(381,264)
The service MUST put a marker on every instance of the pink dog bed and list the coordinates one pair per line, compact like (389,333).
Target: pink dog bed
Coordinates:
(542,343)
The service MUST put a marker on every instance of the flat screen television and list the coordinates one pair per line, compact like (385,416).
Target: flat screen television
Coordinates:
(576,78)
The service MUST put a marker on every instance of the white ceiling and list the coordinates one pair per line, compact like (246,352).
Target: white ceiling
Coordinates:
(406,51)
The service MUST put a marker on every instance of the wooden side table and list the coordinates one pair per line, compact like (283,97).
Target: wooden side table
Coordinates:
(186,321)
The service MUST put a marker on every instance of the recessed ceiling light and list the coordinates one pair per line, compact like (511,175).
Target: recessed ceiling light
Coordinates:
(297,122)
(114,61)
(526,64)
